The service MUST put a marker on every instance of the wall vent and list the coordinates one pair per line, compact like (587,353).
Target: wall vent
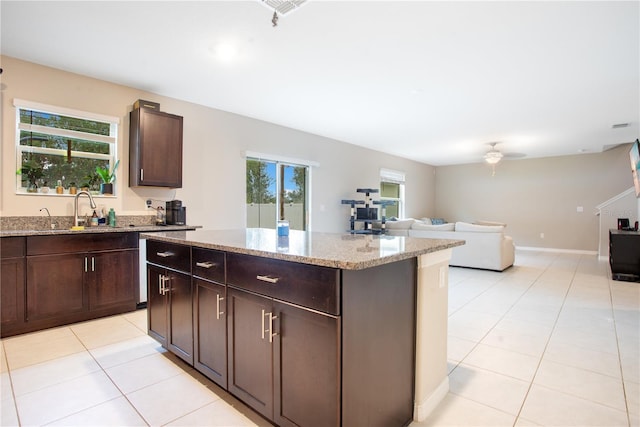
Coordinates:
(620,125)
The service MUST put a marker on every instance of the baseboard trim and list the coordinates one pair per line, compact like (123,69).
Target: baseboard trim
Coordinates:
(557,250)
(421,410)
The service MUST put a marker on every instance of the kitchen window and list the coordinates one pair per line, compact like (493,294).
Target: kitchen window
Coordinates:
(277,188)
(392,189)
(58,149)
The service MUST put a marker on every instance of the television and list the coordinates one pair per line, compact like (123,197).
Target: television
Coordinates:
(634,155)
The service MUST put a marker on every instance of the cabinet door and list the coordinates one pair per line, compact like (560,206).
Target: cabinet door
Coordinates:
(12,275)
(210,330)
(250,353)
(180,339)
(112,279)
(307,368)
(155,149)
(55,286)
(157,317)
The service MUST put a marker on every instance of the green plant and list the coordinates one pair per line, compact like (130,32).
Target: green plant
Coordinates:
(107,177)
(91,181)
(32,171)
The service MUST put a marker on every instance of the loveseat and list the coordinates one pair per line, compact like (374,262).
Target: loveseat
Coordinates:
(486,247)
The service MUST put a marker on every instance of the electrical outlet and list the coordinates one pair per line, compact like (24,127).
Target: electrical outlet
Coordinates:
(149,203)
(542,235)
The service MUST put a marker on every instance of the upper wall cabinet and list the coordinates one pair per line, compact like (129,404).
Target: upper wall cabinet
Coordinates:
(155,149)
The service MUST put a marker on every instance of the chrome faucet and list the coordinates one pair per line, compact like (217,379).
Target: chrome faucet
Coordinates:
(51,224)
(76,220)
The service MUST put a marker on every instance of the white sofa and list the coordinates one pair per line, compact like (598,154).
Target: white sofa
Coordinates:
(486,247)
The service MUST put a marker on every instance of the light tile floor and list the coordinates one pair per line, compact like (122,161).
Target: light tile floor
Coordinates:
(551,342)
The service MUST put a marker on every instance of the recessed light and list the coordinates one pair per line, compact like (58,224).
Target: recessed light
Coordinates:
(224,51)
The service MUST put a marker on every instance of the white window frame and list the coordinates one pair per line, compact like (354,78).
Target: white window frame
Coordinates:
(289,161)
(394,177)
(111,139)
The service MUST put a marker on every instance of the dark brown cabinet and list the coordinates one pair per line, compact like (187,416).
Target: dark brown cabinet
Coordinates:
(12,283)
(170,297)
(210,314)
(155,149)
(624,255)
(250,329)
(284,359)
(306,345)
(56,286)
(70,278)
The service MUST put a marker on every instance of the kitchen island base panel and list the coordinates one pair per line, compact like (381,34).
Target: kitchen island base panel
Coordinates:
(378,344)
(432,382)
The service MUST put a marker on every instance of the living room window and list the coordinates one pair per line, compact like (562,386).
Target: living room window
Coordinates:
(392,189)
(277,189)
(58,149)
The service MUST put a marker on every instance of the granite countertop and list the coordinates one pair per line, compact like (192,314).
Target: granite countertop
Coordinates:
(345,251)
(100,229)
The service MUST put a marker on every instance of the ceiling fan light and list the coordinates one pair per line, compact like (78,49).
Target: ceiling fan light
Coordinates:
(493,157)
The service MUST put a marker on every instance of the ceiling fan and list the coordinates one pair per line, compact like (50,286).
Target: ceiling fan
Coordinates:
(494,156)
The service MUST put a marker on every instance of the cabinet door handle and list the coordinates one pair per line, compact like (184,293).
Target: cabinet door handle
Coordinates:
(93,263)
(268,279)
(271,333)
(206,264)
(141,174)
(162,284)
(218,312)
(165,254)
(86,268)
(262,328)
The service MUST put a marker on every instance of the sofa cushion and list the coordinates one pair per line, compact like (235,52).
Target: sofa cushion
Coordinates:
(482,222)
(465,226)
(441,227)
(401,224)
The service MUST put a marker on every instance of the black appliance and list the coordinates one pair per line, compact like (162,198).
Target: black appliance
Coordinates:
(176,214)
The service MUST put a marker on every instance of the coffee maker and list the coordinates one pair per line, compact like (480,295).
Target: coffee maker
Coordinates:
(176,213)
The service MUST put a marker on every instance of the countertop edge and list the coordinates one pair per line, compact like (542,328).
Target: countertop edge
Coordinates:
(99,230)
(438,245)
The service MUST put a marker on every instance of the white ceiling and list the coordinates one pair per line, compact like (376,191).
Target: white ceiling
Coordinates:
(430,81)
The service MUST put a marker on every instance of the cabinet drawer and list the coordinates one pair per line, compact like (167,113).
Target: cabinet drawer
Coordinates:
(12,247)
(177,257)
(71,243)
(310,286)
(208,264)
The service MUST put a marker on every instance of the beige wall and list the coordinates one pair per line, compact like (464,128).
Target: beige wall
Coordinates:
(214,166)
(535,196)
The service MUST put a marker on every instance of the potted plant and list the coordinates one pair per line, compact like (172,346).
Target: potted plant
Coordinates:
(90,182)
(107,178)
(33,173)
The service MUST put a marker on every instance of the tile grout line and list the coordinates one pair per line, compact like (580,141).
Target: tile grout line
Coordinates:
(615,329)
(526,395)
(110,379)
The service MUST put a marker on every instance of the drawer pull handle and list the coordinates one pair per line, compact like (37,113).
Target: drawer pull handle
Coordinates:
(268,279)
(206,264)
(164,254)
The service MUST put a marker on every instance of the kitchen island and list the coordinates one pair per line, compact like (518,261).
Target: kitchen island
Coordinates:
(310,329)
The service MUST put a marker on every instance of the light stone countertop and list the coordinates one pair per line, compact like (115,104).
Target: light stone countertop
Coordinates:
(345,251)
(100,229)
